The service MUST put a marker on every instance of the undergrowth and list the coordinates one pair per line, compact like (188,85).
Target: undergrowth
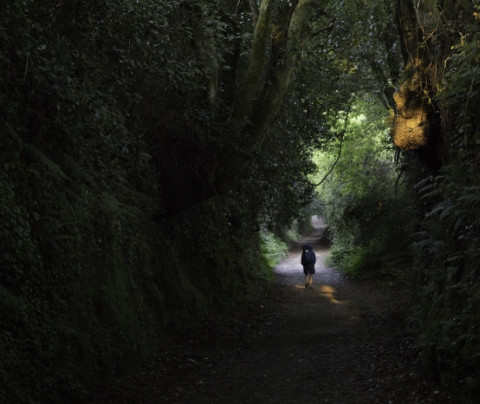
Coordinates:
(273,249)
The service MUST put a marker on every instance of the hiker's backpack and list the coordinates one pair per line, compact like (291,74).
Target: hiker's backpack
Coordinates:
(309,257)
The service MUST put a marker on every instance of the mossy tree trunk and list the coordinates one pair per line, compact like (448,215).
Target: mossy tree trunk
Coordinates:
(245,84)
(285,50)
(258,100)
(412,129)
(436,118)
(427,31)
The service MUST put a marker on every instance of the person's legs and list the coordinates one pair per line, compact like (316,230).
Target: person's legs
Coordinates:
(308,280)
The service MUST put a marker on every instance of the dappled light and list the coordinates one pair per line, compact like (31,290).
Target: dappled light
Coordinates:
(328,292)
(165,166)
(410,124)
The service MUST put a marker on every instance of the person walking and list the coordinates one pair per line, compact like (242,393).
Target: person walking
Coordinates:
(308,261)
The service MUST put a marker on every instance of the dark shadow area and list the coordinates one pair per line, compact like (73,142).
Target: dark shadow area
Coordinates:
(340,341)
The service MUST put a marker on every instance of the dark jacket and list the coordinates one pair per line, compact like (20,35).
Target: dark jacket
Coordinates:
(304,262)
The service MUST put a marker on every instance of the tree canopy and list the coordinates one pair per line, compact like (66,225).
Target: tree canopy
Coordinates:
(134,130)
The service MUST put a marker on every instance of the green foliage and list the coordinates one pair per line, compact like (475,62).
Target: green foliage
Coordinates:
(461,112)
(447,251)
(364,203)
(445,245)
(101,103)
(273,249)
(131,199)
(218,273)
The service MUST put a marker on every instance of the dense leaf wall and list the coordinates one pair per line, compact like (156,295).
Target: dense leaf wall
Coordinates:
(129,202)
(444,176)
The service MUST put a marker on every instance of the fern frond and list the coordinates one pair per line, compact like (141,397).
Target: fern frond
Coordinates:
(430,187)
(471,196)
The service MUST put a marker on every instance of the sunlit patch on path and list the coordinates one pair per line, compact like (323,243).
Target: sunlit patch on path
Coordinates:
(328,292)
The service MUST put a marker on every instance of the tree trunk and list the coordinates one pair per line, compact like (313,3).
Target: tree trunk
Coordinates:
(246,96)
(249,86)
(416,124)
(426,33)
(268,106)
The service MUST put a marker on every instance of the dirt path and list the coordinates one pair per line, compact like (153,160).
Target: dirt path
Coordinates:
(336,342)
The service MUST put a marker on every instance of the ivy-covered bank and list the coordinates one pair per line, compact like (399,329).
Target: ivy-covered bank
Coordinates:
(114,229)
(92,280)
(147,146)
